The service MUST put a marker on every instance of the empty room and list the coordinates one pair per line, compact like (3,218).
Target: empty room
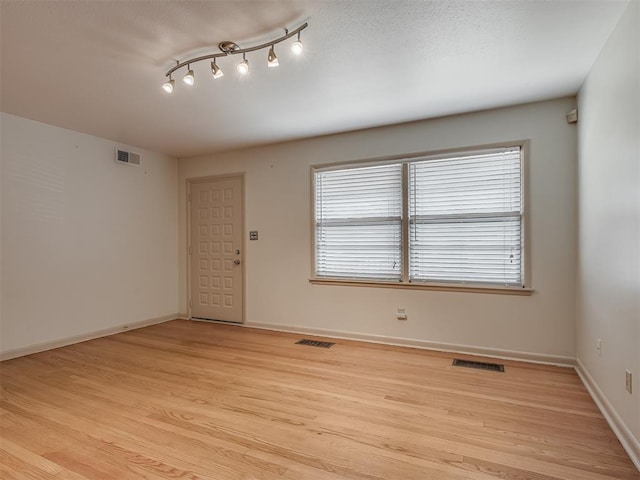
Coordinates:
(320,239)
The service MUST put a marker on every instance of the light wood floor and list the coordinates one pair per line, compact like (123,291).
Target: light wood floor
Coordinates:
(192,400)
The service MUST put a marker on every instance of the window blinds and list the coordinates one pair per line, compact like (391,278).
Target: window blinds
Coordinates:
(465,217)
(358,214)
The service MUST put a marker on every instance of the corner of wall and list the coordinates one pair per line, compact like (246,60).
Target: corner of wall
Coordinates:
(608,267)
(617,424)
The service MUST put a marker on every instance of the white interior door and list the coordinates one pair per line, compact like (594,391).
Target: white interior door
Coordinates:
(216,250)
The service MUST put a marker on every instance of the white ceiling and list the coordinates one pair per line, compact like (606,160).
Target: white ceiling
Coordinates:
(97,66)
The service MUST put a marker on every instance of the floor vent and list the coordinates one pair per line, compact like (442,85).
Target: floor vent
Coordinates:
(315,343)
(494,367)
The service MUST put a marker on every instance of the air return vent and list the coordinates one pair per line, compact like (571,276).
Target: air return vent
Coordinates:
(130,158)
(315,343)
(494,367)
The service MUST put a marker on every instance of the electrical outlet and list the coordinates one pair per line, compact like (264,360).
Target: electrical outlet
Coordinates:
(628,380)
(401,314)
(599,346)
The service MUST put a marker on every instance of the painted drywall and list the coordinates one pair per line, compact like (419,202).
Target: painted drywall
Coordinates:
(87,244)
(609,220)
(278,265)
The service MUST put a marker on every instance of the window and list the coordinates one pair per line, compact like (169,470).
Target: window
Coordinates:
(359,222)
(454,219)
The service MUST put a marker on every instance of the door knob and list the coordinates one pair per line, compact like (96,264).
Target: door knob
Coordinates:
(236,262)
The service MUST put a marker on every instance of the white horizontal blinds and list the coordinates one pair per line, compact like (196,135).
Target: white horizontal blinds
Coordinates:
(465,216)
(358,222)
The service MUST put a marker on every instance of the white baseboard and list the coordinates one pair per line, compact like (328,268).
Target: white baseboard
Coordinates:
(63,342)
(558,360)
(627,439)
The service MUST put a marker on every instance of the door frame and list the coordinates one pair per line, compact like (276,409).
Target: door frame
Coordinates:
(212,178)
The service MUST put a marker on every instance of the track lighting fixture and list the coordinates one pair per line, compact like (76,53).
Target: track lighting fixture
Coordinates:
(297,46)
(272,59)
(216,70)
(230,48)
(189,77)
(243,66)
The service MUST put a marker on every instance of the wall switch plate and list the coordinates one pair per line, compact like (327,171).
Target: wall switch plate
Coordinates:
(401,314)
(253,235)
(628,378)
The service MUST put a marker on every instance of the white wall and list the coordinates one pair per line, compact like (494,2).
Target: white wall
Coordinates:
(87,244)
(278,265)
(609,221)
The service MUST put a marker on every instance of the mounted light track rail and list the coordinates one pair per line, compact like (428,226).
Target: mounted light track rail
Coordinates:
(230,48)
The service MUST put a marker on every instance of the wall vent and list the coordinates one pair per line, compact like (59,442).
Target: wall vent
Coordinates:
(130,158)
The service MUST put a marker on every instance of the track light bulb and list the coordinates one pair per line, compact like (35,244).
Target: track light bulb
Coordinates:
(189,78)
(272,59)
(216,70)
(168,85)
(243,66)
(297,47)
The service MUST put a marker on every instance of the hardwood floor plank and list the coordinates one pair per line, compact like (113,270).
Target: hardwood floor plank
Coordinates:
(35,460)
(195,400)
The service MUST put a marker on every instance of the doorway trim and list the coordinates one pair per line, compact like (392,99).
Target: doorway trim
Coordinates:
(190,181)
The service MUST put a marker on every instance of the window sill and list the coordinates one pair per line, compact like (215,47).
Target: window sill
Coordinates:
(423,286)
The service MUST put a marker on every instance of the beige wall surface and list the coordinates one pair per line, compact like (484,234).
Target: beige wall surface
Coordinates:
(609,221)
(87,244)
(278,205)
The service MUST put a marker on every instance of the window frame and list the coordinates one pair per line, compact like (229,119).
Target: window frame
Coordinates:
(405,282)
